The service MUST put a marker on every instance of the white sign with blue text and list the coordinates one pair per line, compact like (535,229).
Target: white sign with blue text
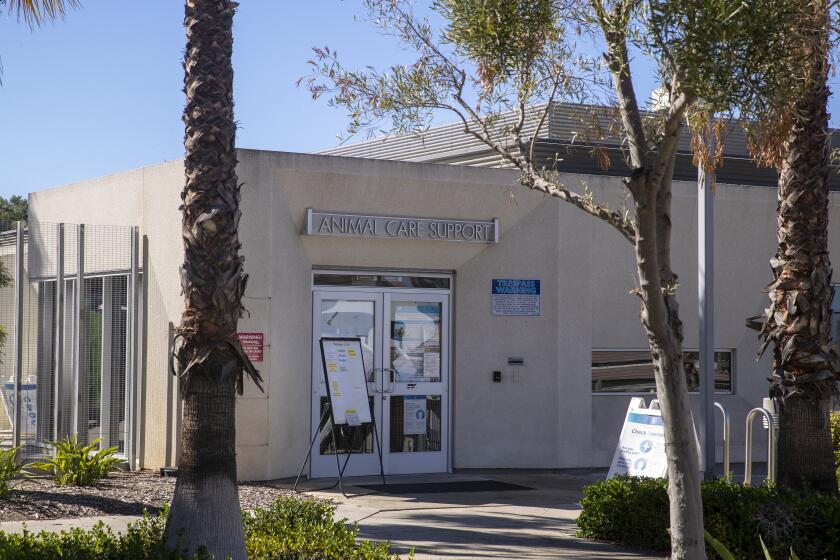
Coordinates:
(29,409)
(414,415)
(512,297)
(641,446)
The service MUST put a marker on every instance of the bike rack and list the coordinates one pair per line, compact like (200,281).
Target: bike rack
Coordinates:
(726,433)
(726,440)
(771,445)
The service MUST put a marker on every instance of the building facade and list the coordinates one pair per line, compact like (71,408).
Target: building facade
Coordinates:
(501,314)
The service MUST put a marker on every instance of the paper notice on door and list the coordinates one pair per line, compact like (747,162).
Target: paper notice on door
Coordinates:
(431,364)
(414,415)
(403,365)
(352,417)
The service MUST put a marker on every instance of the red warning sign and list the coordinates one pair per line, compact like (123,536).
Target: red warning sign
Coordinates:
(252,344)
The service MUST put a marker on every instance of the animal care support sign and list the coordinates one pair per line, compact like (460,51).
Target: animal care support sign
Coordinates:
(394,227)
(344,372)
(515,297)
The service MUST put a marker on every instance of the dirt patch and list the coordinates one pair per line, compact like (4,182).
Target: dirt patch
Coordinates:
(120,494)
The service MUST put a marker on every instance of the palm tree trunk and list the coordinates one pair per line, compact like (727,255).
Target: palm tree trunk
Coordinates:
(205,509)
(798,321)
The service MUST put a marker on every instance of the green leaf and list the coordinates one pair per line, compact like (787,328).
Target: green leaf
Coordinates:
(718,546)
(767,554)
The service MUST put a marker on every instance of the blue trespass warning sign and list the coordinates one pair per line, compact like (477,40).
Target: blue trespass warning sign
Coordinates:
(515,297)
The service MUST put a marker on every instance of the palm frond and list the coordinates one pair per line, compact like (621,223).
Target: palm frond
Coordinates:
(36,12)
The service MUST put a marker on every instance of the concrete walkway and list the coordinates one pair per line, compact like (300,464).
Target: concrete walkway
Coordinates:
(521,524)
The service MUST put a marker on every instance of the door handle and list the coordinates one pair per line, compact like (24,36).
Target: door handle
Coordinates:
(379,380)
(390,381)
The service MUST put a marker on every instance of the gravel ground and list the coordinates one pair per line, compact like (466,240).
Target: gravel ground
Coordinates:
(120,494)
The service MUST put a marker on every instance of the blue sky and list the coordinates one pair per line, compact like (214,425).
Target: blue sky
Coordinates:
(100,92)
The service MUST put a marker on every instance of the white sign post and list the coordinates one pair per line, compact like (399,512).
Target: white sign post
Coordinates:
(349,402)
(641,446)
(344,371)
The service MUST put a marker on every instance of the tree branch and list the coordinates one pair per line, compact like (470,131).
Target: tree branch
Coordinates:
(618,61)
(668,145)
(624,226)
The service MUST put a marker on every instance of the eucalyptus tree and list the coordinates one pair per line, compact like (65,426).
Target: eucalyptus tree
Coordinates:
(796,140)
(208,357)
(492,58)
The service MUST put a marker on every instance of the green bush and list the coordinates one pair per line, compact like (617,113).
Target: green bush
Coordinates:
(295,528)
(76,464)
(9,469)
(835,437)
(292,528)
(634,512)
(141,541)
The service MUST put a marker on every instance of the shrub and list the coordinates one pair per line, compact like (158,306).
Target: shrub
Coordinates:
(835,437)
(9,469)
(292,528)
(295,528)
(634,512)
(141,541)
(76,464)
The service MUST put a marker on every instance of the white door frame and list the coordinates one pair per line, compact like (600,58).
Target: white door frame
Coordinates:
(367,464)
(418,462)
(361,463)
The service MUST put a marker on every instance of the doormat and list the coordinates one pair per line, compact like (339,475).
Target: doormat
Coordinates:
(444,487)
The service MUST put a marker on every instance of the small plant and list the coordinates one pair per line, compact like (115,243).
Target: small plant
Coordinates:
(9,469)
(724,552)
(293,528)
(76,464)
(300,528)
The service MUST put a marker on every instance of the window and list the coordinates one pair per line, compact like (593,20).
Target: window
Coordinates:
(631,371)
(381,281)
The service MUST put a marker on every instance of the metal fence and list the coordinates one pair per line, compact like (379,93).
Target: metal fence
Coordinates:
(69,309)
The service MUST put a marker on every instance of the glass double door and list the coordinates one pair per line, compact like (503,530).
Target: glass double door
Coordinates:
(405,345)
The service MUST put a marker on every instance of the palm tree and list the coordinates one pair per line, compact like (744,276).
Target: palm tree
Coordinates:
(35,12)
(209,360)
(798,319)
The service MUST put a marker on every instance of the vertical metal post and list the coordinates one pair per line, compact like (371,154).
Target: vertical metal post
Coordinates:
(706,311)
(726,438)
(78,339)
(58,411)
(141,343)
(106,431)
(130,356)
(771,446)
(18,380)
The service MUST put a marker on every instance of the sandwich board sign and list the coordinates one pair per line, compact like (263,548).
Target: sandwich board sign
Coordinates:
(641,446)
(344,373)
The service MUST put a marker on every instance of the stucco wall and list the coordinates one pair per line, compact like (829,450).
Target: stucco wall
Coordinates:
(545,418)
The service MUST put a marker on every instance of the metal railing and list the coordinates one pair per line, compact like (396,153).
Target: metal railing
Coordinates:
(726,437)
(70,309)
(726,432)
(771,445)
